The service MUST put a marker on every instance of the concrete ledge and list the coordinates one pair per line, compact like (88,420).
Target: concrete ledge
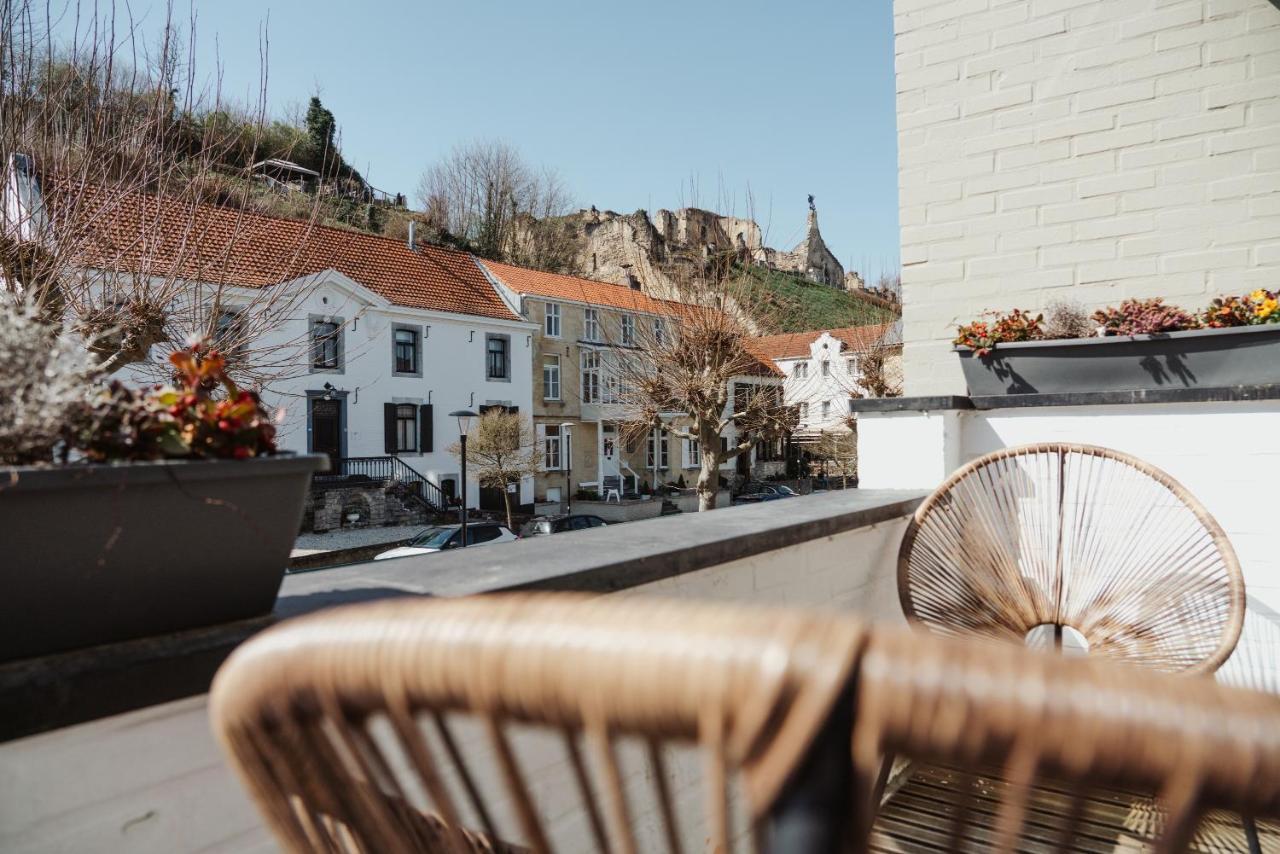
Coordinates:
(1216,394)
(61,690)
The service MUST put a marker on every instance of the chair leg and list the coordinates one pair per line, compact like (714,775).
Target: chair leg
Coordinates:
(1251,835)
(812,814)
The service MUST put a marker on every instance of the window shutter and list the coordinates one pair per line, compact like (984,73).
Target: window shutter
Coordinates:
(389,428)
(540,433)
(426,428)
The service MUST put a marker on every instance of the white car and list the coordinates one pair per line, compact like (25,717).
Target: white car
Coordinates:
(450,537)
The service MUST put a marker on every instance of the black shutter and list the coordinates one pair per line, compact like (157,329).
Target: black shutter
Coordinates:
(426,428)
(389,427)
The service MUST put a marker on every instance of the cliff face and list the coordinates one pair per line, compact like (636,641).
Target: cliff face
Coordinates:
(636,250)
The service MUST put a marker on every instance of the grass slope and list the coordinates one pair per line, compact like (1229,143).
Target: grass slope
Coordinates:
(789,303)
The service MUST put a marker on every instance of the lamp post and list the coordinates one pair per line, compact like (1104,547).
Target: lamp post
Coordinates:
(567,451)
(464,417)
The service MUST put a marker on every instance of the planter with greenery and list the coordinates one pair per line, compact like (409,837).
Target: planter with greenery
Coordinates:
(1140,345)
(128,513)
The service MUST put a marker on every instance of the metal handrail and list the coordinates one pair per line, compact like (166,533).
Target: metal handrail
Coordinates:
(385,470)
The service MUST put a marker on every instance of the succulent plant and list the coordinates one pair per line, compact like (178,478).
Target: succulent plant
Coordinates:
(983,336)
(1144,317)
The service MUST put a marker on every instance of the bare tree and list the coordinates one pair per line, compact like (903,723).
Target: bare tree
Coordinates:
(680,373)
(113,152)
(485,196)
(502,450)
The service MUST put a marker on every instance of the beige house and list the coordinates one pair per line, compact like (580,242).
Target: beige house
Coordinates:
(577,406)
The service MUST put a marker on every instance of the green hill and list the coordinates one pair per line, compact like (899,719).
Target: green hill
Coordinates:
(786,302)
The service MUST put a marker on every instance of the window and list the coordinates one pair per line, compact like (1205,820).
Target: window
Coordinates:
(628,330)
(228,331)
(826,367)
(591,325)
(326,352)
(826,409)
(406,428)
(768,450)
(659,330)
(590,376)
(724,446)
(804,412)
(404,349)
(695,454)
(551,448)
(801,370)
(853,366)
(497,366)
(552,327)
(550,377)
(663,458)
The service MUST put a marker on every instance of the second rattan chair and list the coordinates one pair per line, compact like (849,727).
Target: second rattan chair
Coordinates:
(1081,539)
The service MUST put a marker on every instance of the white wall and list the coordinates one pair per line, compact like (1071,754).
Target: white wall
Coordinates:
(814,388)
(1084,149)
(154,780)
(1224,453)
(453,374)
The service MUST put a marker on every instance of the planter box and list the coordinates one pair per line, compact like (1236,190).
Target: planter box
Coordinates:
(103,553)
(613,511)
(1203,358)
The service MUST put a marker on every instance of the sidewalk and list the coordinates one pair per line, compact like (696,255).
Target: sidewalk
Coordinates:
(349,538)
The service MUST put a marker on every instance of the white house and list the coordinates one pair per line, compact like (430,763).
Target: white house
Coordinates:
(821,373)
(365,344)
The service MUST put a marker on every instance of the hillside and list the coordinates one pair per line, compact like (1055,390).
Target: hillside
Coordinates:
(786,302)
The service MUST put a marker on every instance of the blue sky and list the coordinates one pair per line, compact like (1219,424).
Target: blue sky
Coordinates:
(630,102)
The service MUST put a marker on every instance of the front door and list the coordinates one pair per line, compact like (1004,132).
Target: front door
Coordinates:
(325,423)
(610,470)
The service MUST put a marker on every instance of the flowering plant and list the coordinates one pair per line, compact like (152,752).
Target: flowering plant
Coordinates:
(205,415)
(1144,317)
(1261,306)
(982,336)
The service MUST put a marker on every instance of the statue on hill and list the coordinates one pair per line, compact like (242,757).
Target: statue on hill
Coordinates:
(811,206)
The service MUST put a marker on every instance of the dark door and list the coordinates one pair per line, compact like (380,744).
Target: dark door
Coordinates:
(326,430)
(744,462)
(492,498)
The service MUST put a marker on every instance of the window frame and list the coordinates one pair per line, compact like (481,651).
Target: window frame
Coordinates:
(627,326)
(664,451)
(590,391)
(314,343)
(416,332)
(412,421)
(552,313)
(826,410)
(826,367)
(804,411)
(801,371)
(659,330)
(552,440)
(591,325)
(695,454)
(551,361)
(489,353)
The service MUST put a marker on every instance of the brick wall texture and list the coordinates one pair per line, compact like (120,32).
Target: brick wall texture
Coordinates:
(1081,150)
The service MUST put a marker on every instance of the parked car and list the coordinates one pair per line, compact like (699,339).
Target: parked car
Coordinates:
(767,491)
(540,525)
(443,537)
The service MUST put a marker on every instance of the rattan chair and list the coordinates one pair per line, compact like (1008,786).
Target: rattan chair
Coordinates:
(554,722)
(1078,539)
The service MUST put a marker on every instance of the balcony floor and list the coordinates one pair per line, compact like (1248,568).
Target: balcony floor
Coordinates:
(918,818)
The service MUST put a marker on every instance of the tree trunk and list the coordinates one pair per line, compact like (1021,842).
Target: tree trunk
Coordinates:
(709,475)
(506,502)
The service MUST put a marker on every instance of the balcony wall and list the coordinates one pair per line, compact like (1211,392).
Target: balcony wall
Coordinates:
(152,779)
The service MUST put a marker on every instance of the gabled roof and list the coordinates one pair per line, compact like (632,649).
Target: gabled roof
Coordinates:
(163,236)
(589,291)
(795,345)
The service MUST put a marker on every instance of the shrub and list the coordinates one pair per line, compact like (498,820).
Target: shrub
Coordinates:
(1261,306)
(1144,317)
(205,416)
(983,336)
(1068,320)
(44,374)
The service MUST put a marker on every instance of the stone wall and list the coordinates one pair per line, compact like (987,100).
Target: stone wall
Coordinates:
(327,509)
(1090,150)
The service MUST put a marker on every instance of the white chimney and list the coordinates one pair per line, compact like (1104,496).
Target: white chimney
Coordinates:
(412,233)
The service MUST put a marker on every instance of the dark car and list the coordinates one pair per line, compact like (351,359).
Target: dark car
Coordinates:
(540,525)
(753,492)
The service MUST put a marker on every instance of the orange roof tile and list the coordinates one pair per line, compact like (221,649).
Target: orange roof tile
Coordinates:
(538,283)
(795,345)
(153,235)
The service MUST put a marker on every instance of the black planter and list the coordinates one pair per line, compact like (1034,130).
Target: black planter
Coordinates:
(95,554)
(1199,358)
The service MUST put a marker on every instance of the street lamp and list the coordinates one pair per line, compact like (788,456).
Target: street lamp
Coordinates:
(566,442)
(464,417)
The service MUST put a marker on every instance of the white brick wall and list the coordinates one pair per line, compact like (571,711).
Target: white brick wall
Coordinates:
(1089,150)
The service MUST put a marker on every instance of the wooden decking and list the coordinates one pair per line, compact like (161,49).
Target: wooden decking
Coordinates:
(920,817)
